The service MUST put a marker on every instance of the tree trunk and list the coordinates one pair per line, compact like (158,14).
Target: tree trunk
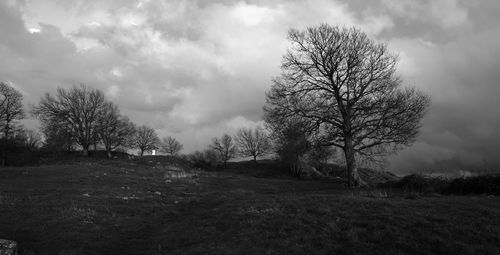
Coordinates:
(296,167)
(108,152)
(4,151)
(352,169)
(142,152)
(353,178)
(255,159)
(5,141)
(86,150)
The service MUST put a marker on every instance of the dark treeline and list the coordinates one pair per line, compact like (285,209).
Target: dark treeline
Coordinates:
(82,119)
(75,119)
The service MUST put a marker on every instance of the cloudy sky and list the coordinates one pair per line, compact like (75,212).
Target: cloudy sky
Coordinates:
(196,69)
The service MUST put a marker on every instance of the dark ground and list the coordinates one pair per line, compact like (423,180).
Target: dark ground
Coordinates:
(157,206)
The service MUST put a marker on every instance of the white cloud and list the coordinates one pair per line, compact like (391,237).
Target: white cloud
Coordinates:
(34,30)
(251,15)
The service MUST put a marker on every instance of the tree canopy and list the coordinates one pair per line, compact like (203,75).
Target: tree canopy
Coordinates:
(79,109)
(224,147)
(344,86)
(146,139)
(252,142)
(11,110)
(170,145)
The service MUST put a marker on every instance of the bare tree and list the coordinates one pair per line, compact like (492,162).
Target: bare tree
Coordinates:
(11,110)
(205,159)
(252,142)
(225,148)
(57,135)
(170,145)
(345,86)
(291,140)
(115,129)
(145,139)
(33,139)
(79,108)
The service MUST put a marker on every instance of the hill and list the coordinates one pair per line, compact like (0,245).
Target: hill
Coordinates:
(272,169)
(161,206)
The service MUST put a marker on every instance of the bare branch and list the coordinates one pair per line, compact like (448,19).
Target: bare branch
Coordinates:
(344,86)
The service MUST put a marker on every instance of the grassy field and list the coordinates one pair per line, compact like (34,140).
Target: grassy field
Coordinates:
(154,207)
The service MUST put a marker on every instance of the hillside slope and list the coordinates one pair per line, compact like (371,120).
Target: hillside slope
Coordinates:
(142,207)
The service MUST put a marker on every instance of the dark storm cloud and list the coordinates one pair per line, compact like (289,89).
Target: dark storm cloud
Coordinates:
(197,69)
(461,74)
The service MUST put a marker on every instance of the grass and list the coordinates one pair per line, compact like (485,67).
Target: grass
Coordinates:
(154,206)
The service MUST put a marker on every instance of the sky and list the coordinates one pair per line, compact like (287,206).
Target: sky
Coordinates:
(197,69)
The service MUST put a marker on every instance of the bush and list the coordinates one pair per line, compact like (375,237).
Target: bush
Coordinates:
(318,157)
(484,184)
(207,159)
(475,185)
(418,183)
(21,156)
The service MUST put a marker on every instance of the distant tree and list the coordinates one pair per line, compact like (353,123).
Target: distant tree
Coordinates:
(197,158)
(33,139)
(170,145)
(224,147)
(145,139)
(57,136)
(318,156)
(345,86)
(204,159)
(252,142)
(18,138)
(115,129)
(292,141)
(78,109)
(11,111)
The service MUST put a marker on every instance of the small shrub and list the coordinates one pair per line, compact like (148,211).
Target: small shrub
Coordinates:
(207,159)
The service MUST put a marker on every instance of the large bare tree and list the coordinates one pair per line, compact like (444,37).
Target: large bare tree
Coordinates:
(345,86)
(79,108)
(115,129)
(224,147)
(145,139)
(252,142)
(170,145)
(11,110)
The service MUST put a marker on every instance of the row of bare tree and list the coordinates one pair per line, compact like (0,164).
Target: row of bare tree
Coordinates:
(76,117)
(248,142)
(82,116)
